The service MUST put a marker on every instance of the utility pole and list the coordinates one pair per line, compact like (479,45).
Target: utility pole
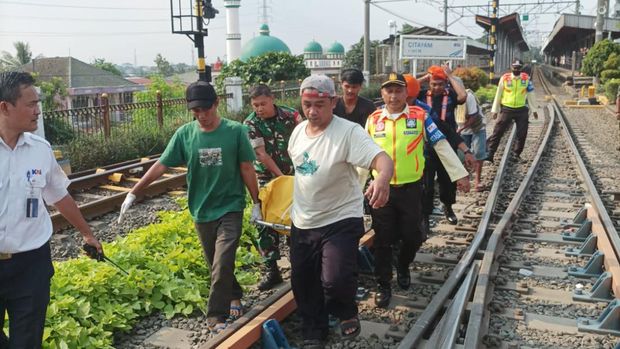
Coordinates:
(493,36)
(601,10)
(445,15)
(366,71)
(577,7)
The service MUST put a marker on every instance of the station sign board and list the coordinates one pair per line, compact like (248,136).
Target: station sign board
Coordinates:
(432,47)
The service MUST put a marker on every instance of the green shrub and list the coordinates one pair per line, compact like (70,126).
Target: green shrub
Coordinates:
(486,94)
(58,131)
(483,77)
(470,78)
(609,74)
(124,144)
(371,92)
(91,301)
(611,89)
(595,59)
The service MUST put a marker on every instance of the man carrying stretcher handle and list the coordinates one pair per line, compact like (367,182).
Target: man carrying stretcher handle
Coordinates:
(327,211)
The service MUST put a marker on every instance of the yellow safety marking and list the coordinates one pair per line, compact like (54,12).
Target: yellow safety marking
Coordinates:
(114,188)
(115,177)
(144,159)
(132,179)
(100,170)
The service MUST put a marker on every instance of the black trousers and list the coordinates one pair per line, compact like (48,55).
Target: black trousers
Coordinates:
(25,294)
(520,116)
(399,219)
(324,273)
(447,188)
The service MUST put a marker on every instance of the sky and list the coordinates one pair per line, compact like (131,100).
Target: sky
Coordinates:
(123,31)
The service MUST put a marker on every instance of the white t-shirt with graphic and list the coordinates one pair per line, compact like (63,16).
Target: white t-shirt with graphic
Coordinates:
(326,180)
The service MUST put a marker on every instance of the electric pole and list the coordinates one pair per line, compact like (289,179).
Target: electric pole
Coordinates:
(493,36)
(577,7)
(445,15)
(367,41)
(601,10)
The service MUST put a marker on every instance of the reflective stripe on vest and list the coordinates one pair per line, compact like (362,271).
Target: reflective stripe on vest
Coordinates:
(515,90)
(403,140)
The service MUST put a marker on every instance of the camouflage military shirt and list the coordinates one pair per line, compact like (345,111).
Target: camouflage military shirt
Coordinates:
(273,134)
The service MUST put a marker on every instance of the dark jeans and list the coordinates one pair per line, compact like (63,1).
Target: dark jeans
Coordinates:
(324,273)
(399,219)
(520,116)
(220,239)
(447,189)
(25,294)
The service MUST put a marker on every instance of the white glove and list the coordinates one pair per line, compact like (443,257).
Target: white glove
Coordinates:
(129,199)
(256,214)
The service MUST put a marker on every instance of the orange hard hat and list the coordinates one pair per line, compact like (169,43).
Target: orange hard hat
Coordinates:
(437,73)
(413,86)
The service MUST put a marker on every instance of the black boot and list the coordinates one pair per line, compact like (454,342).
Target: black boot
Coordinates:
(383,295)
(272,277)
(450,215)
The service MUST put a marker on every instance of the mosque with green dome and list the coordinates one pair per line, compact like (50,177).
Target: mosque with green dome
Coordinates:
(320,62)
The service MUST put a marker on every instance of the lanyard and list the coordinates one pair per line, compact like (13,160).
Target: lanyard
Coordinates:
(444,103)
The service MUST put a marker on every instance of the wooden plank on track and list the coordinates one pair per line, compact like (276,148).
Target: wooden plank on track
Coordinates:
(115,188)
(604,245)
(250,333)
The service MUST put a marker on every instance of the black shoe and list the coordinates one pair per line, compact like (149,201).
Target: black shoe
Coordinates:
(383,296)
(403,278)
(272,278)
(447,209)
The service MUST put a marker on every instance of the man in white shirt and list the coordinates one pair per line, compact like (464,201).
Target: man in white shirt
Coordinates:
(29,174)
(327,210)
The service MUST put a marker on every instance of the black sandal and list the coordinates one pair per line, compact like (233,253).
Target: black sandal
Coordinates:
(351,324)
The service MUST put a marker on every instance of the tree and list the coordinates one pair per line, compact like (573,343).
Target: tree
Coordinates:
(354,58)
(407,28)
(164,68)
(22,56)
(107,66)
(267,68)
(595,59)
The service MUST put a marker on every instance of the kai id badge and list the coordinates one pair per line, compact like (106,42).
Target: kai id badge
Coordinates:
(33,192)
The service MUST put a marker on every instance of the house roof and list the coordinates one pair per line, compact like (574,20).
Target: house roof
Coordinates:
(80,77)
(509,24)
(570,28)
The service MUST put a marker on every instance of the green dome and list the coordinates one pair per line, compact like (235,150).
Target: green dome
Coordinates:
(313,47)
(336,48)
(262,44)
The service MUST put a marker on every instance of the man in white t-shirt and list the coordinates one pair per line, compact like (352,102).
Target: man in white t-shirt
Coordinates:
(327,210)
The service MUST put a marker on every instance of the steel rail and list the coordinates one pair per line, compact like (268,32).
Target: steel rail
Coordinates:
(437,304)
(495,246)
(79,174)
(95,179)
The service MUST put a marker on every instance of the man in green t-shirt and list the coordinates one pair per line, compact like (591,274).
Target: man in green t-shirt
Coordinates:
(219,160)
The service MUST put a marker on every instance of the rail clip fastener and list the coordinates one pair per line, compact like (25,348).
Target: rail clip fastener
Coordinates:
(580,217)
(601,290)
(586,249)
(607,323)
(581,234)
(593,269)
(273,336)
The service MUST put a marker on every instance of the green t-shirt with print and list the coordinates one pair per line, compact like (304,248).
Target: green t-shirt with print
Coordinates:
(214,183)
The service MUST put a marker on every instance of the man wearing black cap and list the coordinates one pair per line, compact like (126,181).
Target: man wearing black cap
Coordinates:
(401,131)
(514,92)
(219,160)
(351,105)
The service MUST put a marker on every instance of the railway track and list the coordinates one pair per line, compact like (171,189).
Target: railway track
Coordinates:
(533,263)
(103,190)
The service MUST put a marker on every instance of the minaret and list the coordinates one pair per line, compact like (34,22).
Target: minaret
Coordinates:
(233,36)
